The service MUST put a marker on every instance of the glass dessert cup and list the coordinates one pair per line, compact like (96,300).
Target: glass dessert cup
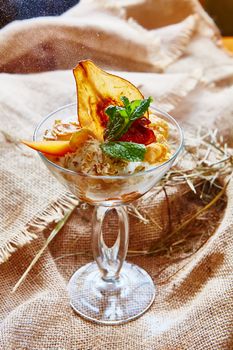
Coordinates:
(110,290)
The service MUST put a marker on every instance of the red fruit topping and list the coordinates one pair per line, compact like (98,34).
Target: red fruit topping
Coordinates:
(139,132)
(100,110)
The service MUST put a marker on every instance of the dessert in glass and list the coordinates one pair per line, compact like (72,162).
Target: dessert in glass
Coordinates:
(116,149)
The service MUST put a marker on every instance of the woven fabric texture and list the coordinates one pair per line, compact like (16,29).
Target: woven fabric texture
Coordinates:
(172,51)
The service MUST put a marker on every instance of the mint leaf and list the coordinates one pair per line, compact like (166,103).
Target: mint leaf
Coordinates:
(130,151)
(114,126)
(118,119)
(125,100)
(111,111)
(121,118)
(133,105)
(141,108)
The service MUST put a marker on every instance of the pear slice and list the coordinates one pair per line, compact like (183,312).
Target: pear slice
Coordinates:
(96,90)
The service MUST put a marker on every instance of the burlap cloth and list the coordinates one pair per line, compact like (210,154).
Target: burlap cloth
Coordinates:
(194,304)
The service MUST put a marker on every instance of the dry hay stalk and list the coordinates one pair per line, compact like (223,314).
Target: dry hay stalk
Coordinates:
(211,161)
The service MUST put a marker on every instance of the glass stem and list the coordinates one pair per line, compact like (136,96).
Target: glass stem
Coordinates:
(110,260)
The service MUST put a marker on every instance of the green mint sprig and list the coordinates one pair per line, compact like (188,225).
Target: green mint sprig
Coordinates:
(121,118)
(129,151)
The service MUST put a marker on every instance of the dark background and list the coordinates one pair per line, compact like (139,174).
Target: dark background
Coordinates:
(220,10)
(11,10)
(222,13)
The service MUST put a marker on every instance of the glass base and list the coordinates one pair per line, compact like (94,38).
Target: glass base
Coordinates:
(111,302)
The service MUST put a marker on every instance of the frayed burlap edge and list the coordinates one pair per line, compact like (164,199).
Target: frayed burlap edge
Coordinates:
(170,102)
(41,221)
(160,61)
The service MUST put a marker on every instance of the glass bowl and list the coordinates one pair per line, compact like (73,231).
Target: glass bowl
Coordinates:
(110,290)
